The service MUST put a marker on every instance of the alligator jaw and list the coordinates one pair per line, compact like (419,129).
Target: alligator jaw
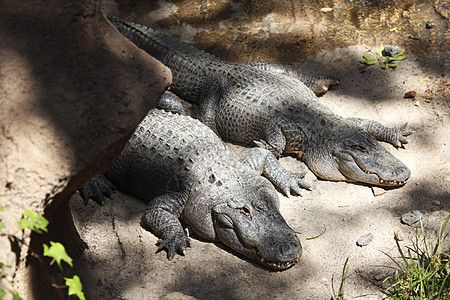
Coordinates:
(350,168)
(385,182)
(276,265)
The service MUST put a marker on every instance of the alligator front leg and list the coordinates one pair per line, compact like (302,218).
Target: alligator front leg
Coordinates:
(282,135)
(262,161)
(396,136)
(162,217)
(318,84)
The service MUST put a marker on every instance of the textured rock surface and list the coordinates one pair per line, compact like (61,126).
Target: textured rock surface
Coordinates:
(72,90)
(411,217)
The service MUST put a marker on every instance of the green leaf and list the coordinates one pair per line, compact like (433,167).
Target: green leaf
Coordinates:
(383,65)
(423,79)
(369,63)
(57,252)
(369,57)
(34,221)
(2,208)
(2,226)
(15,295)
(379,50)
(398,57)
(2,293)
(391,65)
(75,287)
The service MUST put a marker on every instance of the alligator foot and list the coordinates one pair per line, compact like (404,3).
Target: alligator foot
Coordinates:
(262,161)
(97,188)
(397,136)
(320,85)
(400,135)
(172,244)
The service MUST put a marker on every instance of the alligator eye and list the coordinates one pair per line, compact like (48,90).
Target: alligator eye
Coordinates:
(246,211)
(354,145)
(360,148)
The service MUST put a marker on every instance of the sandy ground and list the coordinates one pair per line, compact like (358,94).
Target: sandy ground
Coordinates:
(120,261)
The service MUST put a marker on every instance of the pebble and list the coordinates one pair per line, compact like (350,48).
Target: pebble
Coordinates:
(364,240)
(410,95)
(436,202)
(417,103)
(377,191)
(411,217)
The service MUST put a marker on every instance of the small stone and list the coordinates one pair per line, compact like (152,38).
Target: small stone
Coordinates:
(377,191)
(430,24)
(417,103)
(410,95)
(364,240)
(436,202)
(411,217)
(391,50)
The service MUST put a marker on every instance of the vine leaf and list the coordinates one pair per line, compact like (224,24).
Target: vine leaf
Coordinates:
(58,253)
(33,221)
(75,287)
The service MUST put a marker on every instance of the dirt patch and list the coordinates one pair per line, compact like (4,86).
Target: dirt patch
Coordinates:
(120,261)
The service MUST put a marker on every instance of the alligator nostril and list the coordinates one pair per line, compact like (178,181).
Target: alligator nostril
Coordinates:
(403,173)
(291,249)
(284,248)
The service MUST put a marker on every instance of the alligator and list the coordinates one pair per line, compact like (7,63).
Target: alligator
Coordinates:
(183,170)
(271,106)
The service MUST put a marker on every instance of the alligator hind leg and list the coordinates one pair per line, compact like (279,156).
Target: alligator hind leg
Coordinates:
(396,136)
(318,84)
(209,98)
(162,217)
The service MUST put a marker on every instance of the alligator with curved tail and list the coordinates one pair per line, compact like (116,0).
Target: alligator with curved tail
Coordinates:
(183,170)
(270,105)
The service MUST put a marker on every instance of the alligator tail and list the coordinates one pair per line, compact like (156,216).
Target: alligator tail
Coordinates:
(188,64)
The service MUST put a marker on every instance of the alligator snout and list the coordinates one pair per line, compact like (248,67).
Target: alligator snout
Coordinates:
(400,174)
(290,250)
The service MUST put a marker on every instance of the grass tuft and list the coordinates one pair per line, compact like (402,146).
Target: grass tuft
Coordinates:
(422,272)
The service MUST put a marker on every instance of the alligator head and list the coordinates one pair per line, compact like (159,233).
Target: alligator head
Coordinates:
(247,220)
(354,155)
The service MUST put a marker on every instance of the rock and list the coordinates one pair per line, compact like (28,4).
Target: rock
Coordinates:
(364,240)
(410,95)
(411,217)
(73,90)
(417,103)
(391,50)
(430,24)
(436,202)
(377,191)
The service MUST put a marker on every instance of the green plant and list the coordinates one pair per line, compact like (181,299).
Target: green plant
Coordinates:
(340,295)
(385,56)
(56,251)
(421,273)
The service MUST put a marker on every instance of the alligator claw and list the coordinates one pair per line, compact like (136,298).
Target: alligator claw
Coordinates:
(401,136)
(97,188)
(296,184)
(173,244)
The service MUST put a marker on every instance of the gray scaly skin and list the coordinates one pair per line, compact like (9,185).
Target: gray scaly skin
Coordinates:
(183,170)
(271,106)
